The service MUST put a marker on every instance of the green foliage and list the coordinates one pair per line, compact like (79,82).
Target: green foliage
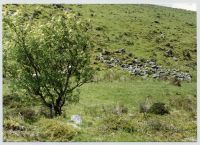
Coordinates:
(159,125)
(158,108)
(17,100)
(147,31)
(29,115)
(49,56)
(187,103)
(55,130)
(114,123)
(13,124)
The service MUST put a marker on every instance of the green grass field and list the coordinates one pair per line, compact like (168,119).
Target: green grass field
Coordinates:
(138,29)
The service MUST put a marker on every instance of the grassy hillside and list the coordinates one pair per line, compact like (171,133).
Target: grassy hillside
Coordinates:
(110,106)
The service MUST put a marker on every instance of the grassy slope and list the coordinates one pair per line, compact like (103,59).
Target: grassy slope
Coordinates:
(132,27)
(137,21)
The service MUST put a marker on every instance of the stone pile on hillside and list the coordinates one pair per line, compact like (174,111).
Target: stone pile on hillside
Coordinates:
(140,67)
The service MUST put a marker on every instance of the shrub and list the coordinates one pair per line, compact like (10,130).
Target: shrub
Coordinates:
(16,100)
(13,124)
(184,103)
(55,130)
(28,114)
(158,108)
(155,125)
(43,111)
(159,125)
(12,100)
(114,123)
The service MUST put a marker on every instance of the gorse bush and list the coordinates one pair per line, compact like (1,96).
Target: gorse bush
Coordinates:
(114,123)
(55,130)
(13,124)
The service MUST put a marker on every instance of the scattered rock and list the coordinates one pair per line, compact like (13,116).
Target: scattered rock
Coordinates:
(105,52)
(76,119)
(122,50)
(142,67)
(186,54)
(155,76)
(175,59)
(169,53)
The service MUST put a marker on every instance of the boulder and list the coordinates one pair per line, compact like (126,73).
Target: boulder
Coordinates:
(151,63)
(154,67)
(115,60)
(76,119)
(110,65)
(124,65)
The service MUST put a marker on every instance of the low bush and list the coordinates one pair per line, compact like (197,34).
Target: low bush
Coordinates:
(114,123)
(12,100)
(15,124)
(28,114)
(156,124)
(55,130)
(158,108)
(185,103)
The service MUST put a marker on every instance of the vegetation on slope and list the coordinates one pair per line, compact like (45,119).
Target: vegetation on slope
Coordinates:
(110,106)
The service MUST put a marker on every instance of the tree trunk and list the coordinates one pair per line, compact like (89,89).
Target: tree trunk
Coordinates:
(58,111)
(51,111)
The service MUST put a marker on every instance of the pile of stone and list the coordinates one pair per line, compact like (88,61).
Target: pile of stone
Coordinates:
(155,71)
(141,67)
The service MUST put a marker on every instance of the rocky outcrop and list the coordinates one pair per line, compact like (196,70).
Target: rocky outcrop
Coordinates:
(141,67)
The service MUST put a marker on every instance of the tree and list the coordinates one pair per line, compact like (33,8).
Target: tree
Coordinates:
(48,54)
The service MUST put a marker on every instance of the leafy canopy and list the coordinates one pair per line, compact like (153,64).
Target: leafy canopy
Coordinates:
(48,54)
